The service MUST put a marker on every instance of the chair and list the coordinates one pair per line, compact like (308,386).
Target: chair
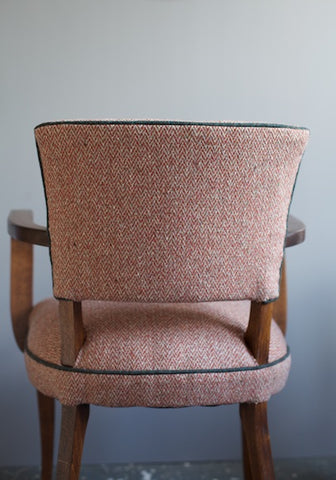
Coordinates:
(166,243)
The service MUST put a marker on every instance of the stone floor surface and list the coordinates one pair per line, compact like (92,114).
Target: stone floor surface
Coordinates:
(292,469)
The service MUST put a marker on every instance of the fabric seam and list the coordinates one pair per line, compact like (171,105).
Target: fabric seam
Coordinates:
(167,122)
(153,372)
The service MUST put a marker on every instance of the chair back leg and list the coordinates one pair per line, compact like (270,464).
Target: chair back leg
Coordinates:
(258,461)
(73,427)
(246,459)
(46,408)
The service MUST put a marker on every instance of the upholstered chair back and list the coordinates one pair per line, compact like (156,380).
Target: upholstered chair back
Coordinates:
(167,211)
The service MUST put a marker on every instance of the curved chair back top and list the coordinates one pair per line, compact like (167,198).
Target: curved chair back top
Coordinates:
(167,211)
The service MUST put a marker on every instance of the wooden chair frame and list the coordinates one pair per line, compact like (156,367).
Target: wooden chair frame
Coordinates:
(257,455)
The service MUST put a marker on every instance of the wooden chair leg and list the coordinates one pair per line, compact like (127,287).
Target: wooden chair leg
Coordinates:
(46,407)
(258,454)
(74,421)
(246,458)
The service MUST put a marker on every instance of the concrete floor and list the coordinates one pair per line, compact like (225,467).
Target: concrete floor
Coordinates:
(298,469)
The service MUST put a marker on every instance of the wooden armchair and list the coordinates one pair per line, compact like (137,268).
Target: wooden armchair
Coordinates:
(135,321)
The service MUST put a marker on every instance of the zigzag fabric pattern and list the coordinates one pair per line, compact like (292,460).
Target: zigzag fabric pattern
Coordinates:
(164,212)
(155,355)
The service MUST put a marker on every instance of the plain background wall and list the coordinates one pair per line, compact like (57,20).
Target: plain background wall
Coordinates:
(260,60)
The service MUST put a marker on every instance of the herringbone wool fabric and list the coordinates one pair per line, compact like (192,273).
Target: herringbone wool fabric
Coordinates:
(167,212)
(159,355)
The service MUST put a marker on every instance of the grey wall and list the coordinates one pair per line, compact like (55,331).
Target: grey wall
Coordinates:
(261,60)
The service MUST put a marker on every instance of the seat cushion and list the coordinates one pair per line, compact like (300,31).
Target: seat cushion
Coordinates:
(155,355)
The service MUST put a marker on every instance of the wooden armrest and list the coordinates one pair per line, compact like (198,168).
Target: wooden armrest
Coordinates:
(257,335)
(296,232)
(24,233)
(21,227)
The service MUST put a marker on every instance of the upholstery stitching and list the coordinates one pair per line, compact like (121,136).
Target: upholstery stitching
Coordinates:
(153,372)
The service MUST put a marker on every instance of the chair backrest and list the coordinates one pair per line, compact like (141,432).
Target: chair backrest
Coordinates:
(167,211)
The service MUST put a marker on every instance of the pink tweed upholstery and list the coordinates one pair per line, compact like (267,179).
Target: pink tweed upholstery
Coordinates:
(134,341)
(164,212)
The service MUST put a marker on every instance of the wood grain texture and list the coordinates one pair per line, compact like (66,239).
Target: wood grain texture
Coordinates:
(258,332)
(21,226)
(258,453)
(46,407)
(72,331)
(73,427)
(21,288)
(246,458)
(280,305)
